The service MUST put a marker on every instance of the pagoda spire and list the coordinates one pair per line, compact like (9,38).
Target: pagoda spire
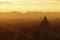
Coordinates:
(45,24)
(45,21)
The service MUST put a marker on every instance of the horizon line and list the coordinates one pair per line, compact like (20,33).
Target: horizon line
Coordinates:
(30,11)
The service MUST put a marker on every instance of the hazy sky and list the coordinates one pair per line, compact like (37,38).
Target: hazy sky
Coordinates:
(29,5)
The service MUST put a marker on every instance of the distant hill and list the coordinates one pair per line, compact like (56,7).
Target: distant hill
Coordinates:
(34,12)
(30,14)
(15,12)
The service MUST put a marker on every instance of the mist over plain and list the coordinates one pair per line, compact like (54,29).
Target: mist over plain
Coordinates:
(28,17)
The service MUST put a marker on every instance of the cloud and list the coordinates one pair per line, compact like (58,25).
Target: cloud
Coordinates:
(5,2)
(57,0)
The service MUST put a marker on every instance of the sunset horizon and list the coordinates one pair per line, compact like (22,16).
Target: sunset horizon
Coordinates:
(29,19)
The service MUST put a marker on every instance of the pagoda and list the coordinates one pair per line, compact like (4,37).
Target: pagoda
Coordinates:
(45,25)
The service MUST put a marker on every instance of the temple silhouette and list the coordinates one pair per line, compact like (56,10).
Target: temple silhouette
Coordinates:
(45,26)
(45,23)
(45,29)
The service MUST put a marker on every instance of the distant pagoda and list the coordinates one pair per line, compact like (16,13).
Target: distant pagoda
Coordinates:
(45,22)
(45,25)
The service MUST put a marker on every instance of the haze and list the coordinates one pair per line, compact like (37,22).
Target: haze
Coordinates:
(29,5)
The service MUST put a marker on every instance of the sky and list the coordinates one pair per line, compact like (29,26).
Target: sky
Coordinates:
(29,5)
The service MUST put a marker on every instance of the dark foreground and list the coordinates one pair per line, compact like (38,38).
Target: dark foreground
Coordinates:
(42,31)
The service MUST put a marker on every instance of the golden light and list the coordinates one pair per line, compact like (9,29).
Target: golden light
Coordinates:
(29,5)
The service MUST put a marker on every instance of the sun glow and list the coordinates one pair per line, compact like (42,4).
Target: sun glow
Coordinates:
(29,5)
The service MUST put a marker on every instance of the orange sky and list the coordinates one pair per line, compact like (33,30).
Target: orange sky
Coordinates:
(29,5)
